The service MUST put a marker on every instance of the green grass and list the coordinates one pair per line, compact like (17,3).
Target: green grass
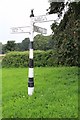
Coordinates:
(0,93)
(55,95)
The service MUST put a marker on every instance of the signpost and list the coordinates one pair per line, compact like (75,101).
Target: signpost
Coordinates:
(31,61)
(30,30)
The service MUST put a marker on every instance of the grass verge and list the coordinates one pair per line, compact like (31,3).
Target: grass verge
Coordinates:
(55,95)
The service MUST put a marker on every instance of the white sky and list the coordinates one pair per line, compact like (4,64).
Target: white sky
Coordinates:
(15,13)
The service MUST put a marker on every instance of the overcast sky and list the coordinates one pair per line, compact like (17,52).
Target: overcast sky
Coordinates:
(15,13)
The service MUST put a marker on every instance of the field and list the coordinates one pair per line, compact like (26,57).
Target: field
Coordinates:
(55,95)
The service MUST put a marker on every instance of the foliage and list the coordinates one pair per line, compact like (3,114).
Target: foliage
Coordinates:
(56,7)
(21,59)
(25,44)
(66,36)
(55,94)
(42,42)
(15,59)
(0,48)
(10,46)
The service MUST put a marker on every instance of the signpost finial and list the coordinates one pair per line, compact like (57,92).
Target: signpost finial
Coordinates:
(32,14)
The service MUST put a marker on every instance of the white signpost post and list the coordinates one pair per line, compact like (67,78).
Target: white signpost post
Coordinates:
(30,30)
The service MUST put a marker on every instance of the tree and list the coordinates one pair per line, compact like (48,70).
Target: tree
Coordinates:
(42,42)
(66,36)
(18,47)
(25,44)
(56,7)
(10,46)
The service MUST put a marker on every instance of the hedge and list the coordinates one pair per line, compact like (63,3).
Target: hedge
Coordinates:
(21,59)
